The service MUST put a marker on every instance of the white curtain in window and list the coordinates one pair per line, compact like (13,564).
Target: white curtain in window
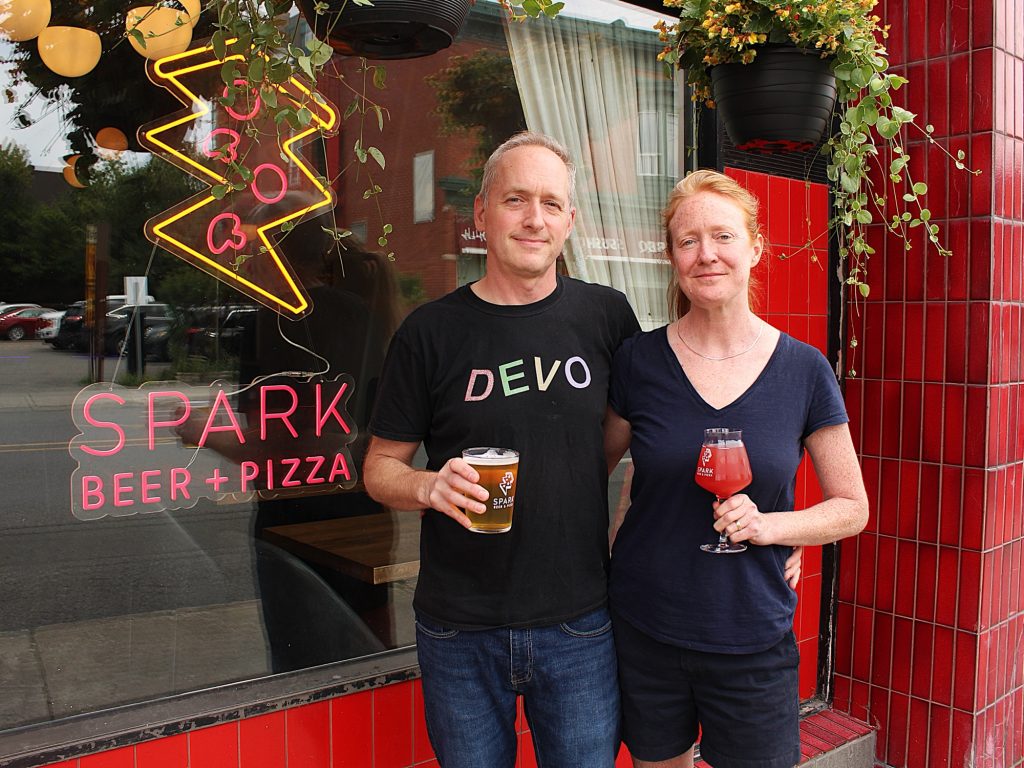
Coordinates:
(598,88)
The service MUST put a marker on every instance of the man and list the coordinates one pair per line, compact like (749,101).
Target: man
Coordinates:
(520,359)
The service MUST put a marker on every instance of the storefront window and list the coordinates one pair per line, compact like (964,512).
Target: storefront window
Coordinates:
(182,505)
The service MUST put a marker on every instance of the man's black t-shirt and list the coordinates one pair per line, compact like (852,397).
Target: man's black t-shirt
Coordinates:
(461,373)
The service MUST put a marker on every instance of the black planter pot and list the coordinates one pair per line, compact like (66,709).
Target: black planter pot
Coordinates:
(781,102)
(389,29)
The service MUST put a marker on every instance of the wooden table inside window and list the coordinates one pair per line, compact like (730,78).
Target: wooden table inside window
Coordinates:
(376,549)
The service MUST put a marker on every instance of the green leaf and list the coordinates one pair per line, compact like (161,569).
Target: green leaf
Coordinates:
(279,72)
(903,115)
(305,117)
(219,191)
(380,116)
(843,71)
(377,155)
(320,52)
(864,289)
(220,49)
(379,77)
(256,69)
(228,72)
(887,128)
(920,188)
(287,226)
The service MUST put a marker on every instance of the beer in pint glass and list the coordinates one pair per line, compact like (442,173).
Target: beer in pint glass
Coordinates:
(498,468)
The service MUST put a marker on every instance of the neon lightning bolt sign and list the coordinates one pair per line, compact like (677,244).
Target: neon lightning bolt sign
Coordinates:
(238,239)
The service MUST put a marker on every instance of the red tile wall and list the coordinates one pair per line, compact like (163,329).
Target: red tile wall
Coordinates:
(380,728)
(793,296)
(930,624)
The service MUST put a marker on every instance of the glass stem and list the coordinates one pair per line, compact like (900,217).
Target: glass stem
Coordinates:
(722,538)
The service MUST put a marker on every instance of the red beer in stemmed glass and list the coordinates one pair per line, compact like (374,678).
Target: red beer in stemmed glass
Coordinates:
(723,469)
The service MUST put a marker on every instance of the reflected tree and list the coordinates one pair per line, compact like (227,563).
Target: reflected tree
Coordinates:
(117,93)
(478,93)
(42,251)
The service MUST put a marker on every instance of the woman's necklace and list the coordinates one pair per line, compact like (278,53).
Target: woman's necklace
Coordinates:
(753,344)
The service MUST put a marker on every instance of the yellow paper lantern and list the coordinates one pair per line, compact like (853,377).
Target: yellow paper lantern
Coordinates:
(112,139)
(70,176)
(23,19)
(70,51)
(166,31)
(194,8)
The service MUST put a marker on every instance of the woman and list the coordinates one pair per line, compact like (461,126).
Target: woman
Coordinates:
(705,641)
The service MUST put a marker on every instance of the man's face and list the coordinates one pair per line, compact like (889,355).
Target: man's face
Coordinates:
(527,215)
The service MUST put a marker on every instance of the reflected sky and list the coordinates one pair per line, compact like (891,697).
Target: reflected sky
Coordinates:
(44,137)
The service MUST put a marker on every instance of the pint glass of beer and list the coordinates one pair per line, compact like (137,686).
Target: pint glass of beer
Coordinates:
(498,468)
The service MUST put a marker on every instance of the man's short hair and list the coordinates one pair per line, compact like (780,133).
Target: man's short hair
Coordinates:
(529,139)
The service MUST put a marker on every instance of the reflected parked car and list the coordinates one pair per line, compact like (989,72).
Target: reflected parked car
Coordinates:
(224,337)
(48,331)
(23,323)
(12,306)
(73,332)
(156,343)
(69,334)
(116,331)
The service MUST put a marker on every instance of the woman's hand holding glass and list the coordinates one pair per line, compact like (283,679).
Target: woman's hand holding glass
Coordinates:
(723,469)
(739,518)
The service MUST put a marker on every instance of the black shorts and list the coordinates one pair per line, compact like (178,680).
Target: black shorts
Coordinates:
(746,707)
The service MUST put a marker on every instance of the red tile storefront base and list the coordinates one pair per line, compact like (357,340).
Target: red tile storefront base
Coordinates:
(826,732)
(349,731)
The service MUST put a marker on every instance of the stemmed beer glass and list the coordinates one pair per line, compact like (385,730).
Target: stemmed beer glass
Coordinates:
(724,469)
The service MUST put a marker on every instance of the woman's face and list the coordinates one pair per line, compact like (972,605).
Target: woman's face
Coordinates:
(712,251)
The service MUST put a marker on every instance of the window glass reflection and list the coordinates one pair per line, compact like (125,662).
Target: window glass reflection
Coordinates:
(182,501)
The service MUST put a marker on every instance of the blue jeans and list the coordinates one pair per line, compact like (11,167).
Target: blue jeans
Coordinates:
(566,674)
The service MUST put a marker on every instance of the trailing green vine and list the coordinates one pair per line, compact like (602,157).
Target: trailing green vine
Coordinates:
(867,158)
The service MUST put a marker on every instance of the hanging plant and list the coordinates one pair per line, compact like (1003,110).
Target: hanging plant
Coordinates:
(868,141)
